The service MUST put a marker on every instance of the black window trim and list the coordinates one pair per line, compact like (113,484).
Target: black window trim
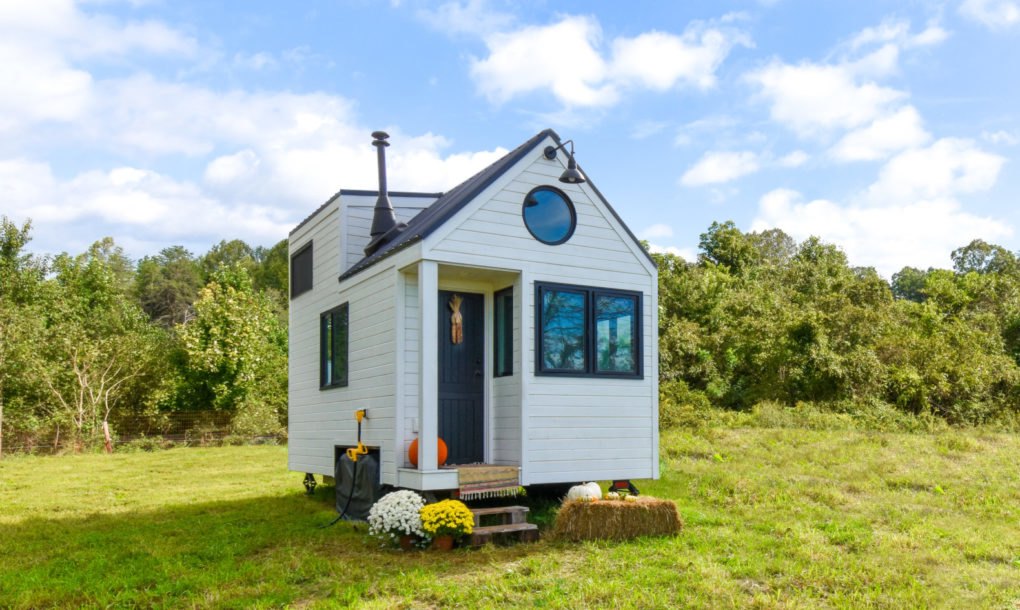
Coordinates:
(299,252)
(509,370)
(591,292)
(343,381)
(570,207)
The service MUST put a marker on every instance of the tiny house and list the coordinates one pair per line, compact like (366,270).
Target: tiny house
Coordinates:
(510,322)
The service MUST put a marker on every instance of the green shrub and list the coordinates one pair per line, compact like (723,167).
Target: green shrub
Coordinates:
(145,443)
(681,406)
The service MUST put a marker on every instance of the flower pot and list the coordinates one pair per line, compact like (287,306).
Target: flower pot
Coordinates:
(407,542)
(442,543)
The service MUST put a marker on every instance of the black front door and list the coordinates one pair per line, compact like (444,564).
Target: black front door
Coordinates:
(461,376)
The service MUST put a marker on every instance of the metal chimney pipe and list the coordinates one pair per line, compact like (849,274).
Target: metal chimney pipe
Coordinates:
(384,219)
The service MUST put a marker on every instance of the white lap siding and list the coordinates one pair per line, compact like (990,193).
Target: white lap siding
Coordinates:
(358,212)
(310,446)
(319,424)
(321,419)
(410,349)
(574,429)
(506,401)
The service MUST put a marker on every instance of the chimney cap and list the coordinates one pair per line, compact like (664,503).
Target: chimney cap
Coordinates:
(380,135)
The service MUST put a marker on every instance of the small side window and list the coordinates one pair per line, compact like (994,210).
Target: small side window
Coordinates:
(503,332)
(333,347)
(301,271)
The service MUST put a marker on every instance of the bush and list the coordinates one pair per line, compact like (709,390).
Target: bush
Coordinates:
(145,443)
(681,406)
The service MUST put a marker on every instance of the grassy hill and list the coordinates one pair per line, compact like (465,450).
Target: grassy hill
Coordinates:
(774,518)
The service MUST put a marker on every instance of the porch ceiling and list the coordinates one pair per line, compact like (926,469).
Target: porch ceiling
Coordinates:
(458,273)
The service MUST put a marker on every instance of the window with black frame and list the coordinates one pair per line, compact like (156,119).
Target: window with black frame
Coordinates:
(503,332)
(333,327)
(301,265)
(587,331)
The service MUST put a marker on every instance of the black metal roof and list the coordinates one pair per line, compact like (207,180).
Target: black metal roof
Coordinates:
(434,216)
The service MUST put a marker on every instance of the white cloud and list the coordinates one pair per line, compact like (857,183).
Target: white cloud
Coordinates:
(51,22)
(898,31)
(561,57)
(1001,138)
(39,86)
(39,44)
(474,17)
(717,167)
(909,216)
(994,14)
(255,61)
(946,168)
(811,98)
(269,157)
(884,136)
(688,254)
(566,59)
(917,233)
(817,99)
(129,201)
(932,35)
(657,231)
(793,159)
(659,61)
(230,170)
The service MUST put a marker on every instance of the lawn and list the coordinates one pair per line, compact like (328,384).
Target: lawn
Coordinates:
(775,518)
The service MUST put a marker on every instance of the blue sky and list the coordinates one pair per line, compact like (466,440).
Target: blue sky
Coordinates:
(889,128)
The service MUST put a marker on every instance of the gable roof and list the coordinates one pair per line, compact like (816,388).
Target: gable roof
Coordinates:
(444,208)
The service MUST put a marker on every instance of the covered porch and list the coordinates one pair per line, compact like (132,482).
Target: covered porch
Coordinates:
(461,329)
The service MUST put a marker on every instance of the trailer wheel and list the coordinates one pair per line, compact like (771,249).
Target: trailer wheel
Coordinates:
(309,483)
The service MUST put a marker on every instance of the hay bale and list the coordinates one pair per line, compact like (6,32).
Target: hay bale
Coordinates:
(616,519)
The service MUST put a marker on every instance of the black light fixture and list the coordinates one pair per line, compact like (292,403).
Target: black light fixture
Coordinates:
(572,175)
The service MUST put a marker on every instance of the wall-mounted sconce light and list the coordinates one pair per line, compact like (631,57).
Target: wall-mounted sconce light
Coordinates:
(572,175)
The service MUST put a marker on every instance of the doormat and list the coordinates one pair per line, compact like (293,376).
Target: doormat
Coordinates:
(488,481)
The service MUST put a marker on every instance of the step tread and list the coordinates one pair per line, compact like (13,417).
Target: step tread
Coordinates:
(496,510)
(502,529)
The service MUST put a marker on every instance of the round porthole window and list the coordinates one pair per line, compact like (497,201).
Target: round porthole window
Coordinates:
(549,215)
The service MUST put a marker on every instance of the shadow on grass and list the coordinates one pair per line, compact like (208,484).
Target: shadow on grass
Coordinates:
(265,550)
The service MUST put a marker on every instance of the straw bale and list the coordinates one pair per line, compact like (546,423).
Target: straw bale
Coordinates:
(616,519)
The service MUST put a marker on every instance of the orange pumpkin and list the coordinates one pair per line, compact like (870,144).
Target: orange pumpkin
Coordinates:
(412,453)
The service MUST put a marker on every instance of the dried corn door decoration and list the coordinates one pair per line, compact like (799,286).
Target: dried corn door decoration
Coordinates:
(456,320)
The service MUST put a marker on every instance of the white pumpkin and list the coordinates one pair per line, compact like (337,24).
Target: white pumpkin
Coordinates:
(588,492)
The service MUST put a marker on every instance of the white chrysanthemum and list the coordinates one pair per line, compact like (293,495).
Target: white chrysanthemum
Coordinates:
(396,514)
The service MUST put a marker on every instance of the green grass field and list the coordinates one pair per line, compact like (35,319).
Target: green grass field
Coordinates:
(774,518)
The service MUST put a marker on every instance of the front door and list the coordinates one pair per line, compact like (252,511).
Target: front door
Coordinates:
(462,376)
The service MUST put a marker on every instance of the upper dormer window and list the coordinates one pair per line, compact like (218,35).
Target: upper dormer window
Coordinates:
(549,215)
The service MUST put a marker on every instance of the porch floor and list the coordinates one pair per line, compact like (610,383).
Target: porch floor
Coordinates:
(486,480)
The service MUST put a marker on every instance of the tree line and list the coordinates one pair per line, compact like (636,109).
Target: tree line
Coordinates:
(759,318)
(94,340)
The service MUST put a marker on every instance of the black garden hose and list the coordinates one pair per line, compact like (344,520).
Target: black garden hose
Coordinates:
(350,496)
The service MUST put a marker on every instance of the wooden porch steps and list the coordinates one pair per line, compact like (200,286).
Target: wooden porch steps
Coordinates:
(513,525)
